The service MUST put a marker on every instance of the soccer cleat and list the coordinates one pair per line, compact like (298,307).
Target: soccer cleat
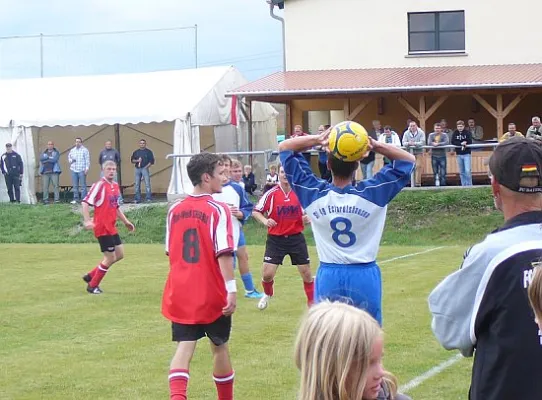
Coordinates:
(94,290)
(254,295)
(87,278)
(264,302)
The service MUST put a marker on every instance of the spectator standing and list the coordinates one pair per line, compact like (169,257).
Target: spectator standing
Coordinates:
(298,131)
(11,165)
(322,156)
(389,137)
(445,129)
(110,154)
(461,138)
(511,133)
(50,172)
(79,161)
(476,131)
(367,164)
(142,158)
(535,130)
(483,308)
(249,179)
(413,141)
(438,139)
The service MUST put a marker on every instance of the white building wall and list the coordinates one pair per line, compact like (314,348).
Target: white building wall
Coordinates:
(331,34)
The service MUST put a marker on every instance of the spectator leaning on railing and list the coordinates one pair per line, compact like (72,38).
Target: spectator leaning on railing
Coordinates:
(511,132)
(413,141)
(535,130)
(461,138)
(438,155)
(389,137)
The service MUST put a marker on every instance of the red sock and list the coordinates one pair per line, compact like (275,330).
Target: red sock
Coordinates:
(93,272)
(309,291)
(224,386)
(101,270)
(178,382)
(268,287)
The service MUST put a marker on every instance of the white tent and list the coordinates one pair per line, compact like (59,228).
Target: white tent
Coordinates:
(180,105)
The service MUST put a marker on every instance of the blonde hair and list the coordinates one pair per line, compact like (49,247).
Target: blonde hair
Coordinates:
(333,350)
(236,163)
(535,292)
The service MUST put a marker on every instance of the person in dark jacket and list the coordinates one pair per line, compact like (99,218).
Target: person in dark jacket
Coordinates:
(483,308)
(142,158)
(110,154)
(50,172)
(461,138)
(11,165)
(249,180)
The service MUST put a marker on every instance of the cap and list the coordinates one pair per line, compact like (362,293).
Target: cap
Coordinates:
(515,159)
(8,144)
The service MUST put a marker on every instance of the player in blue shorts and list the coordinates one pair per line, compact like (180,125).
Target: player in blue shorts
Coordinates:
(347,221)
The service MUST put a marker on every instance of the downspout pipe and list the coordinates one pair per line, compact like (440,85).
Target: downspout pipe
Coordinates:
(275,16)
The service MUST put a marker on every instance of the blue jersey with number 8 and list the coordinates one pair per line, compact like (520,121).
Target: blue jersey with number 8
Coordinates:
(347,223)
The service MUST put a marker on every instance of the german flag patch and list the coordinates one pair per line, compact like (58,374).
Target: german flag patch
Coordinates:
(529,168)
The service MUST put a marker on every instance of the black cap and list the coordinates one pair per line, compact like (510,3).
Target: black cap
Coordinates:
(8,144)
(515,159)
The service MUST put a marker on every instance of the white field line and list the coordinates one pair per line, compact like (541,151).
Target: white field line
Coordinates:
(414,383)
(409,255)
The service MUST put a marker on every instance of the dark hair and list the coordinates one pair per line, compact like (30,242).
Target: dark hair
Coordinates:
(460,122)
(225,158)
(79,139)
(342,169)
(327,126)
(143,140)
(388,128)
(438,124)
(202,163)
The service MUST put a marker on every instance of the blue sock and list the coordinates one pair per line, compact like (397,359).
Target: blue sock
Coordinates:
(247,281)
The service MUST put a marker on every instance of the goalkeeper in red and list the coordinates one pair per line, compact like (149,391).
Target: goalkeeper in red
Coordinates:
(200,293)
(104,197)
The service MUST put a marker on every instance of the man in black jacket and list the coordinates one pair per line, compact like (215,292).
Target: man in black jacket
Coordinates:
(461,138)
(482,308)
(11,165)
(368,162)
(142,158)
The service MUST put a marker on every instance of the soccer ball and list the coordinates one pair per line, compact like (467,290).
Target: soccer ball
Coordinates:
(348,141)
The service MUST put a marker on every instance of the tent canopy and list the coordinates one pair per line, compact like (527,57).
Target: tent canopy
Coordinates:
(122,98)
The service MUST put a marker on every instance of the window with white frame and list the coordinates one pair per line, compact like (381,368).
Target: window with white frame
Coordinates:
(436,32)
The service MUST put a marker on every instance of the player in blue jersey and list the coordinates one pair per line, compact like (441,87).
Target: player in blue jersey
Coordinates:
(347,221)
(241,209)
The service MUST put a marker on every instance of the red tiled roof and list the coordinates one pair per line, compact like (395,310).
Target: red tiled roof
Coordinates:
(394,79)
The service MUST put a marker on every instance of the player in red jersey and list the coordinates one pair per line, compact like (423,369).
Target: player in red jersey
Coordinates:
(200,293)
(104,197)
(279,209)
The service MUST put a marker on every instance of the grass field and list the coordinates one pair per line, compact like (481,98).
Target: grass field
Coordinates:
(57,342)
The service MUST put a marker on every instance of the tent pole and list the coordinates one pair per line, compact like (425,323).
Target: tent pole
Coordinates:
(117,146)
(250,138)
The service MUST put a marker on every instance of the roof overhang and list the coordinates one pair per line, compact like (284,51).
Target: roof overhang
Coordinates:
(319,83)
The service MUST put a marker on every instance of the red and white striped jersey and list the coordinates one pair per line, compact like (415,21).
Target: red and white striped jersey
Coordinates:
(104,197)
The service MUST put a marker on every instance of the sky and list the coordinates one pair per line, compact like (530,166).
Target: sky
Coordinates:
(239,33)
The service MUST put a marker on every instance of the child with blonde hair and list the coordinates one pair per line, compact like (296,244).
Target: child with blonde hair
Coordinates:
(535,294)
(339,351)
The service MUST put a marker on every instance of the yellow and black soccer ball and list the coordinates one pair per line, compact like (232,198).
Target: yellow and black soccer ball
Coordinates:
(348,141)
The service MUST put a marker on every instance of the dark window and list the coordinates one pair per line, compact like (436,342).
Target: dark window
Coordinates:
(436,32)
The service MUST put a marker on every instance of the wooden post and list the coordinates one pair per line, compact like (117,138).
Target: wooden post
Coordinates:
(288,124)
(500,118)
(408,107)
(250,131)
(435,106)
(346,108)
(361,106)
(423,117)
